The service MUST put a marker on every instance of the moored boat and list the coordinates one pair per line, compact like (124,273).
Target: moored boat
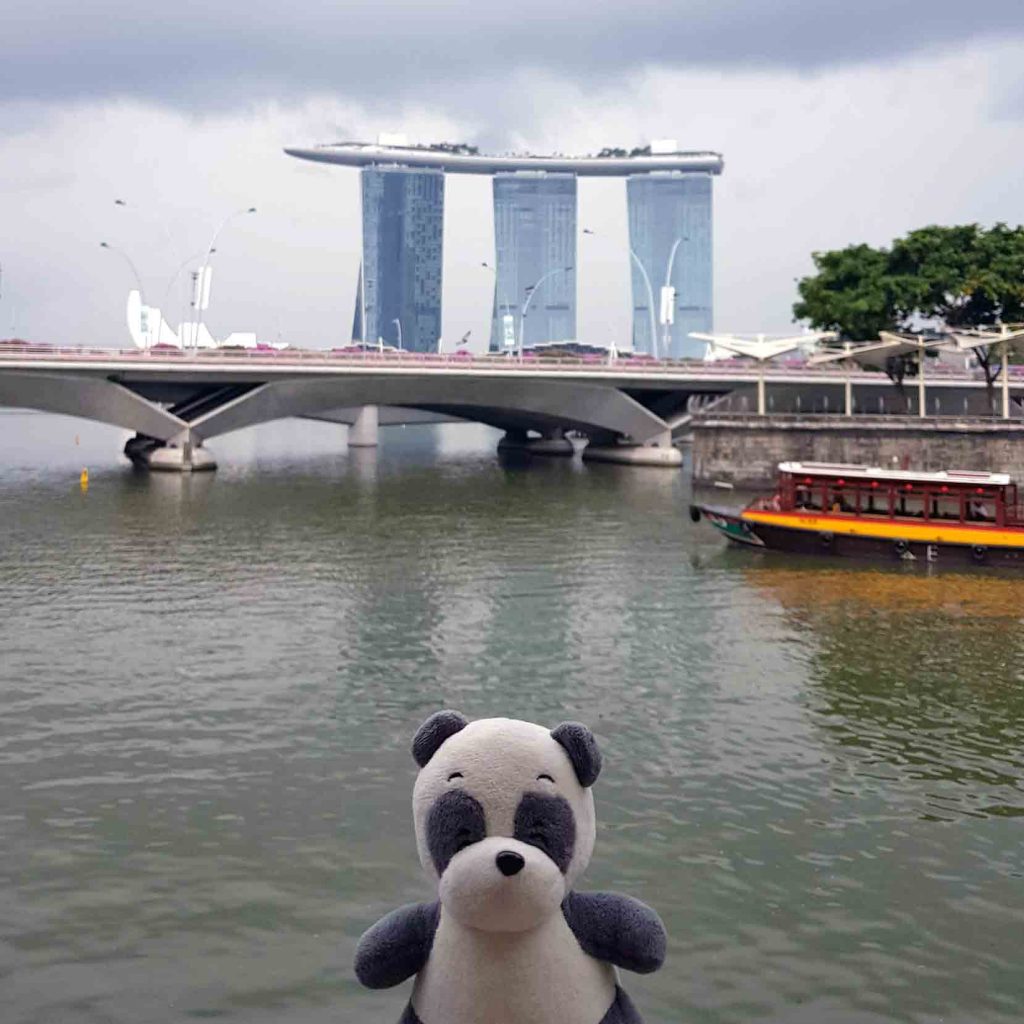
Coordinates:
(954,517)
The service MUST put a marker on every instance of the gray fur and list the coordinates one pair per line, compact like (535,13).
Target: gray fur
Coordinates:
(579,743)
(397,946)
(455,821)
(433,732)
(617,929)
(622,1011)
(547,822)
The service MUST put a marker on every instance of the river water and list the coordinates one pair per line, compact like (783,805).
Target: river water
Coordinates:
(208,687)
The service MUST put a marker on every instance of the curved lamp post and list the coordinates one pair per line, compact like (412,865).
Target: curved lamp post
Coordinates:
(650,295)
(650,304)
(206,264)
(504,305)
(530,292)
(668,284)
(138,280)
(177,274)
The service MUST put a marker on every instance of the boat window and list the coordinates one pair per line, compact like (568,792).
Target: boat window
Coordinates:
(980,508)
(805,497)
(874,502)
(839,500)
(910,504)
(945,506)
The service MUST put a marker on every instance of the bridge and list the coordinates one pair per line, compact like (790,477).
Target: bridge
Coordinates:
(630,410)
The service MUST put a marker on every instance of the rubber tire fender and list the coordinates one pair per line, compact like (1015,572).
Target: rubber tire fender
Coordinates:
(695,513)
(826,539)
(979,553)
(901,547)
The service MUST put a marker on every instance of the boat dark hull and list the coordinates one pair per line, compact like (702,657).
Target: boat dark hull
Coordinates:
(836,544)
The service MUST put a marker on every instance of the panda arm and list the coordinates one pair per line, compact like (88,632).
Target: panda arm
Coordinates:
(617,929)
(397,946)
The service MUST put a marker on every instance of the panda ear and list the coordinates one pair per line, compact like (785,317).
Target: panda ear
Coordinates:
(579,743)
(433,732)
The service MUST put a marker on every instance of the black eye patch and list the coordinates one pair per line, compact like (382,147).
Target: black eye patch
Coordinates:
(455,821)
(547,822)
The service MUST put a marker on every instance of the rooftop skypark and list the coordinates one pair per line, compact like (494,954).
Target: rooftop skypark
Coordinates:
(459,158)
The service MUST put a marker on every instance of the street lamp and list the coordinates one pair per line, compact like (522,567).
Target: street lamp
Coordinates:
(201,305)
(507,315)
(143,315)
(650,296)
(398,324)
(174,278)
(669,298)
(530,292)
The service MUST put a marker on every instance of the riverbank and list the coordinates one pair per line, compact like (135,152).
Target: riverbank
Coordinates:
(745,450)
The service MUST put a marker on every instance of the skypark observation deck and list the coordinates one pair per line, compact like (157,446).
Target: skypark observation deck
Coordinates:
(629,409)
(457,160)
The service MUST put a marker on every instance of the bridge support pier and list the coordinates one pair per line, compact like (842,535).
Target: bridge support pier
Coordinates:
(186,456)
(363,432)
(662,453)
(553,442)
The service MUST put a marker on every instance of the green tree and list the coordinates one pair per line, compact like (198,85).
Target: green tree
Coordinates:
(851,293)
(961,276)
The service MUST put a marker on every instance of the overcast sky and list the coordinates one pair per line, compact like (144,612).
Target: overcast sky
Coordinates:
(840,122)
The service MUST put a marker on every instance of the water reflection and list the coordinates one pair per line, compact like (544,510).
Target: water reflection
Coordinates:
(918,672)
(209,684)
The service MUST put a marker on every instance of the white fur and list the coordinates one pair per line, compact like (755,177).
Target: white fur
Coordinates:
(503,953)
(537,977)
(477,895)
(500,759)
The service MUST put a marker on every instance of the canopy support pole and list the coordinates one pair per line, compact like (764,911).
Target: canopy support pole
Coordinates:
(1006,379)
(921,409)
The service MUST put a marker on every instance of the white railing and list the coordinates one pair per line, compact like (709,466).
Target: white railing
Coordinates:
(528,362)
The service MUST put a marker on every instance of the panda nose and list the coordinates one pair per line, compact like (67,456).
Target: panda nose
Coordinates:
(509,863)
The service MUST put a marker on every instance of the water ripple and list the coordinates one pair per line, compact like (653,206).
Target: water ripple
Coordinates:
(209,687)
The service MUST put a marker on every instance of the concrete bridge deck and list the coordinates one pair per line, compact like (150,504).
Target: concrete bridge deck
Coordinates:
(180,399)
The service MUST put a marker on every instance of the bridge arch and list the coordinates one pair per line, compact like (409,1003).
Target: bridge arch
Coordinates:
(91,398)
(501,402)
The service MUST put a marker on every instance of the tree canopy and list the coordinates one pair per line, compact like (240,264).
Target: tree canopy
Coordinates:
(961,276)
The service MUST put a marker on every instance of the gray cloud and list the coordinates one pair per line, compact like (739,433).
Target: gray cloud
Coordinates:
(812,162)
(225,54)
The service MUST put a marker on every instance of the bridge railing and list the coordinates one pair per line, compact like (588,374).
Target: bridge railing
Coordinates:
(530,362)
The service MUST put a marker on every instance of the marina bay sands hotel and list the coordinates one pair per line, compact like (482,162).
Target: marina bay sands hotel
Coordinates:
(398,295)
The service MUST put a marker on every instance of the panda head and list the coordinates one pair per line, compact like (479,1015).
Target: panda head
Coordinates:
(504,815)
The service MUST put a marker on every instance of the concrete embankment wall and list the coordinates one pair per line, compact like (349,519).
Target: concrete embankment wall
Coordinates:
(746,451)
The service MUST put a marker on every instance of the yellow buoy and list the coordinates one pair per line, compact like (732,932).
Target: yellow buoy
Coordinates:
(83,479)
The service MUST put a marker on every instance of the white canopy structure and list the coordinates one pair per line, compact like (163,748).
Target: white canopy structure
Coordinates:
(760,347)
(1006,338)
(876,354)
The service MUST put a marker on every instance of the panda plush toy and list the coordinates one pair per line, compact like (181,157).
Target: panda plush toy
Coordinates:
(505,822)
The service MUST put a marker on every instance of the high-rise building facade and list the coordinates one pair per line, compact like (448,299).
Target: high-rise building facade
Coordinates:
(535,246)
(535,226)
(670,239)
(398,296)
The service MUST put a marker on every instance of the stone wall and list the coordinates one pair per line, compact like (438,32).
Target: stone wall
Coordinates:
(746,451)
